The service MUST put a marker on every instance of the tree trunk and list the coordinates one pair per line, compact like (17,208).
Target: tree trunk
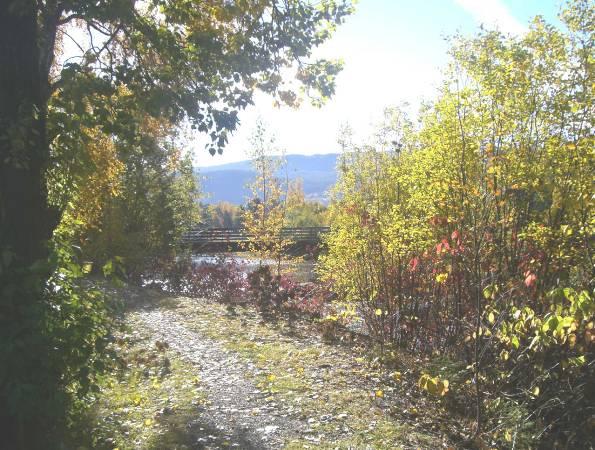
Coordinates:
(24,214)
(25,220)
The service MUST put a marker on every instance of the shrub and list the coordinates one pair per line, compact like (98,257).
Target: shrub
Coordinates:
(221,279)
(461,239)
(58,351)
(265,291)
(312,299)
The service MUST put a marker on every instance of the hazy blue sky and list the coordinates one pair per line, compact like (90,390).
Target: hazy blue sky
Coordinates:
(393,52)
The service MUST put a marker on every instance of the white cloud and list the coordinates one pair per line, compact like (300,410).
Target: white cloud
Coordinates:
(492,13)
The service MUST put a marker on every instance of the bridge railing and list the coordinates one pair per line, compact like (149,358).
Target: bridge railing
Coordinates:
(238,235)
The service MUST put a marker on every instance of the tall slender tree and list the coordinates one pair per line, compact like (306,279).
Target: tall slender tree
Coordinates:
(265,215)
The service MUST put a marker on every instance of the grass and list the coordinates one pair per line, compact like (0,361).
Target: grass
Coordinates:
(146,403)
(344,399)
(346,402)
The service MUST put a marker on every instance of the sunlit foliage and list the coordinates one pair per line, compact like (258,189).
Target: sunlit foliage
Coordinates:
(473,233)
(301,212)
(265,214)
(222,215)
(79,140)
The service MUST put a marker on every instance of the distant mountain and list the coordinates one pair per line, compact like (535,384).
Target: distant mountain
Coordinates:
(227,182)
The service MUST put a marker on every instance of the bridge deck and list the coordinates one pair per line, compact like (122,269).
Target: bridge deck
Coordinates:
(200,236)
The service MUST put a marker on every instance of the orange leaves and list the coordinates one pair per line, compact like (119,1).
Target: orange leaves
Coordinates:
(101,183)
(438,221)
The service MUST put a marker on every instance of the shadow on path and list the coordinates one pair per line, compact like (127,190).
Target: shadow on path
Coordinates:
(197,433)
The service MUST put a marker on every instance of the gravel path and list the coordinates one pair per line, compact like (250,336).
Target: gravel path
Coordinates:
(239,414)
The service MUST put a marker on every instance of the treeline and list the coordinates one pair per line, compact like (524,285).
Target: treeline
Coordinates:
(469,233)
(300,212)
(130,200)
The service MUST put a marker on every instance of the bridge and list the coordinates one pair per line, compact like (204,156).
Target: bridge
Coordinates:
(236,239)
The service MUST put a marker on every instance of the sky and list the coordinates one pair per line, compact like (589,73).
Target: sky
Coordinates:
(393,52)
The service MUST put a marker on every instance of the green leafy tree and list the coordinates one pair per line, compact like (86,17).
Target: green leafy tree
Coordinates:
(473,236)
(265,214)
(300,212)
(156,205)
(177,60)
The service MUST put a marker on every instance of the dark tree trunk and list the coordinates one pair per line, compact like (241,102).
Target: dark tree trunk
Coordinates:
(24,214)
(26,223)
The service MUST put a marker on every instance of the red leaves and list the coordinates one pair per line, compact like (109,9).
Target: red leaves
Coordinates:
(453,247)
(351,208)
(530,279)
(442,247)
(413,264)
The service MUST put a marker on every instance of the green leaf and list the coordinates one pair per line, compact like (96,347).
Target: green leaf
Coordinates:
(515,342)
(488,292)
(550,324)
(108,268)
(566,322)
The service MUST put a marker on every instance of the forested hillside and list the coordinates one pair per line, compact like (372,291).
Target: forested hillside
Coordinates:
(228,182)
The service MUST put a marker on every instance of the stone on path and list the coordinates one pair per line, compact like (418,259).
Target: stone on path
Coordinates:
(236,407)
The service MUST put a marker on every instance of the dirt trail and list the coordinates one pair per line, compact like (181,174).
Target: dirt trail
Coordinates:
(271,385)
(241,415)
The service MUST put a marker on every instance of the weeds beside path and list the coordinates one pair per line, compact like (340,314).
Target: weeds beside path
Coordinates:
(239,410)
(267,385)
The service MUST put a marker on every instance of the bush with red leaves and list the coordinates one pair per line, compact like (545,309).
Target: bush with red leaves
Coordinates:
(227,281)
(223,280)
